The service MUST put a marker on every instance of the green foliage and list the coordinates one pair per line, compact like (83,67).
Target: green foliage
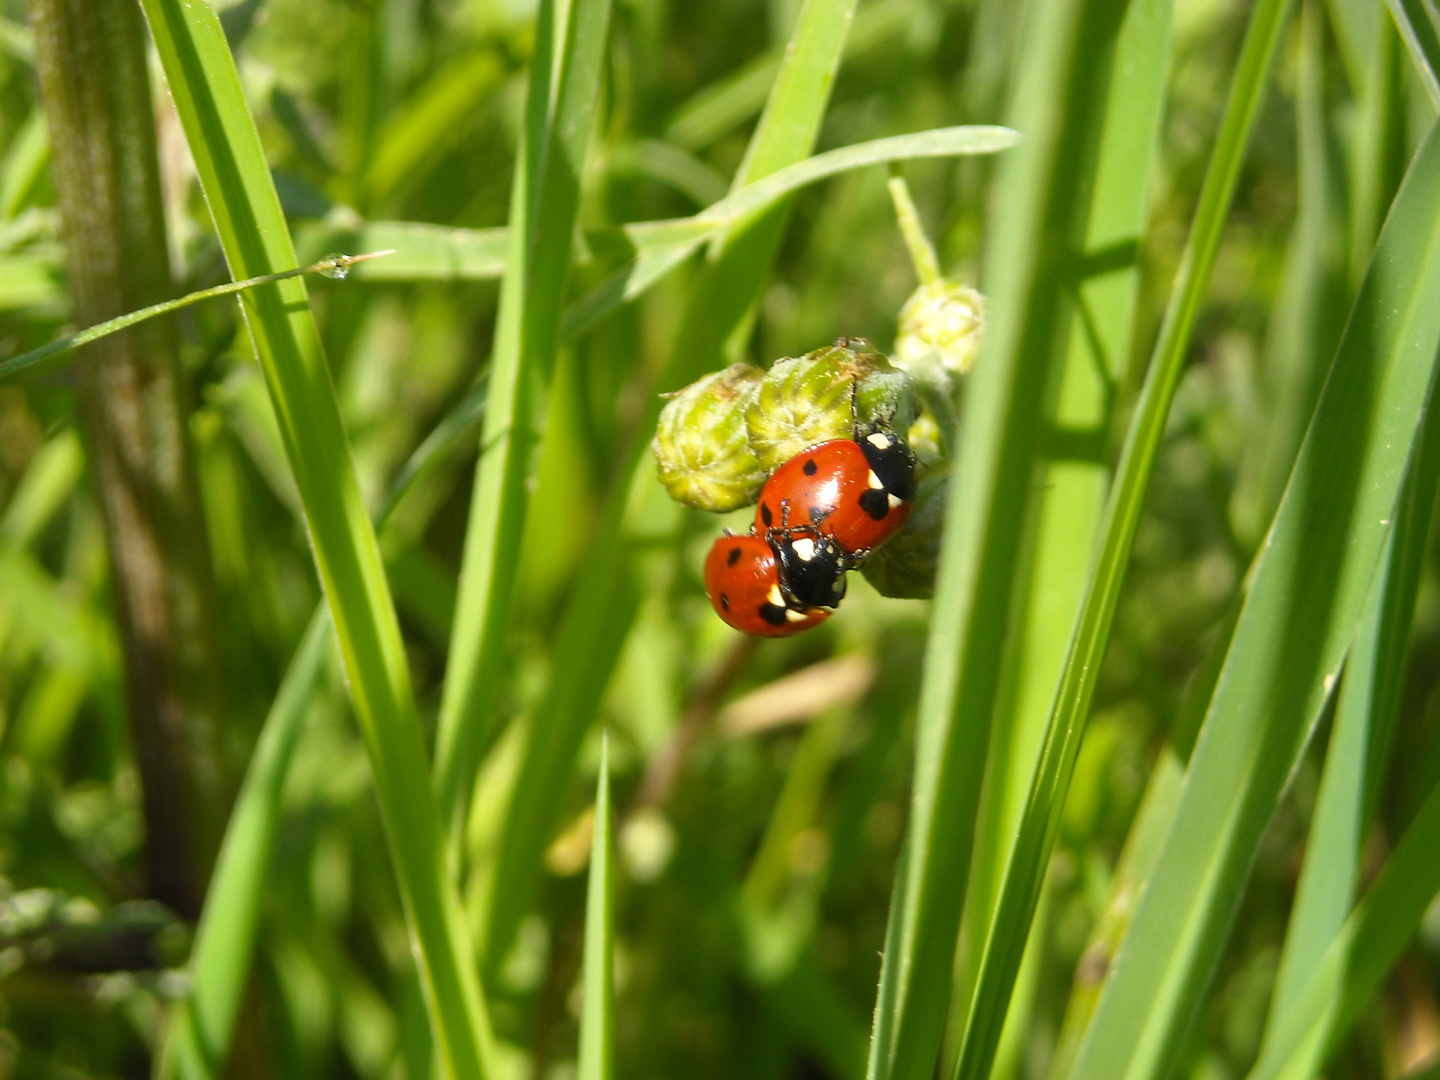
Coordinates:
(1147,788)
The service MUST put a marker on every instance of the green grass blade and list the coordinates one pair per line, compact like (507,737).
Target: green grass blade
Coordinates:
(598,615)
(1038,220)
(559,115)
(1073,499)
(597,1013)
(220,958)
(1361,954)
(1307,591)
(1419,24)
(205,85)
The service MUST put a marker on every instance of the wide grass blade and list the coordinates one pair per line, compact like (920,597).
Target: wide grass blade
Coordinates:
(1038,221)
(1074,484)
(600,610)
(597,1012)
(564,88)
(236,179)
(1307,592)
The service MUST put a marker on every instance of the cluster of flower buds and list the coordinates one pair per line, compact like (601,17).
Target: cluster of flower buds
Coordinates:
(835,416)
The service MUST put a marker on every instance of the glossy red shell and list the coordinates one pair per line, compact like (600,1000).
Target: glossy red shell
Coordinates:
(830,486)
(742,580)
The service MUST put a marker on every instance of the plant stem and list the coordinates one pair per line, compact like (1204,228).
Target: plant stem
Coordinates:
(90,57)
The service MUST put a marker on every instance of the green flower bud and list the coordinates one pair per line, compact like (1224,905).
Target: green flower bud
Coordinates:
(808,400)
(700,442)
(940,329)
(904,566)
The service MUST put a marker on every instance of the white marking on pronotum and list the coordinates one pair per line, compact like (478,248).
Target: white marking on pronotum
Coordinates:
(893,500)
(875,481)
(878,439)
(795,616)
(775,597)
(805,548)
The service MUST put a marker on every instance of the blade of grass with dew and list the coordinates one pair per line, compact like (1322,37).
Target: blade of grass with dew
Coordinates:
(1307,591)
(199,1030)
(1369,700)
(236,179)
(598,615)
(559,112)
(1073,499)
(1037,222)
(1420,30)
(333,266)
(1363,951)
(597,1010)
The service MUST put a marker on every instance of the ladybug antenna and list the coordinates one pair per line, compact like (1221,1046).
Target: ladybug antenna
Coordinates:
(784,515)
(855,406)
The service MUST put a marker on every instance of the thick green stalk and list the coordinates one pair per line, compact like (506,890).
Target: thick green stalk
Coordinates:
(90,56)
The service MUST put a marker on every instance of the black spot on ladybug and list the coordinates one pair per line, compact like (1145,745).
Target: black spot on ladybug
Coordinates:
(810,468)
(765,514)
(818,514)
(773,614)
(734,557)
(874,503)
(724,602)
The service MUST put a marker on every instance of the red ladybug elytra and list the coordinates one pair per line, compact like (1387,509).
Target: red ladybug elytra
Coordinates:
(855,492)
(776,585)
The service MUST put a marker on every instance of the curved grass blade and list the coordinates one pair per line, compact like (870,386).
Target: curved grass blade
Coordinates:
(659,253)
(199,1030)
(559,115)
(597,1011)
(333,266)
(1307,590)
(241,195)
(199,1036)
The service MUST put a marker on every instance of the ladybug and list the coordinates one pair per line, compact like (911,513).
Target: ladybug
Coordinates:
(858,493)
(776,585)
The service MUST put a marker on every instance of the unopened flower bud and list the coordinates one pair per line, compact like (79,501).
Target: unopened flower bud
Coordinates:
(904,566)
(940,329)
(821,396)
(700,444)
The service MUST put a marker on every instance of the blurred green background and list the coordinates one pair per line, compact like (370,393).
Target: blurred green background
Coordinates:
(760,799)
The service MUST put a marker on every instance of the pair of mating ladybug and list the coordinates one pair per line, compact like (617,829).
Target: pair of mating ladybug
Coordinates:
(819,515)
